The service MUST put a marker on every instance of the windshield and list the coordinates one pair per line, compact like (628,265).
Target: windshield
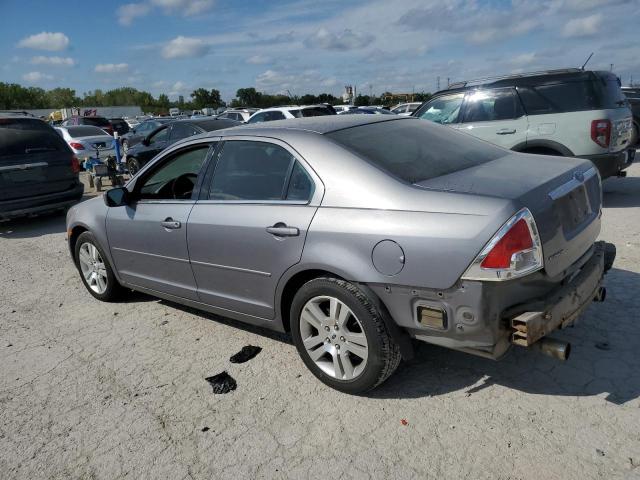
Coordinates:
(414,151)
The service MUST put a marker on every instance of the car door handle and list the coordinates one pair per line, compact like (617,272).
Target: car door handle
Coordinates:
(170,223)
(281,230)
(506,131)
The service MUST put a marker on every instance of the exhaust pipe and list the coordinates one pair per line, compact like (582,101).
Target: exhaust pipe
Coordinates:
(553,348)
(601,294)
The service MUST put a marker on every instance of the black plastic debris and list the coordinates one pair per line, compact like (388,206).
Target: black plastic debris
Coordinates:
(246,354)
(222,383)
(205,429)
(603,346)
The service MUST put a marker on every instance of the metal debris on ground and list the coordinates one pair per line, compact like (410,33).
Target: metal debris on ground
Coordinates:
(222,382)
(246,354)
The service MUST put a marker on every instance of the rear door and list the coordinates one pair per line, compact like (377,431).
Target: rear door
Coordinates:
(148,238)
(34,159)
(250,225)
(495,116)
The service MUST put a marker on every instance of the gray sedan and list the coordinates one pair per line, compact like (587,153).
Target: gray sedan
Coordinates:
(357,234)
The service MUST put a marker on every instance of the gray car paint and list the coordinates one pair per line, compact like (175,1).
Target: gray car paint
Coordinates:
(440,225)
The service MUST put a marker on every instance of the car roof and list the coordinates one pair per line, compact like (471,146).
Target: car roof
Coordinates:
(320,125)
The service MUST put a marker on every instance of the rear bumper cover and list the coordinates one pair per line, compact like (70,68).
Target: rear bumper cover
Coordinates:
(40,204)
(610,164)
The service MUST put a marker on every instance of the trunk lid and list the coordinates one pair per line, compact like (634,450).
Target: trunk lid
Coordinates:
(34,159)
(563,194)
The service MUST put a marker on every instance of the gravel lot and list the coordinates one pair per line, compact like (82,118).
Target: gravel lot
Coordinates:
(92,390)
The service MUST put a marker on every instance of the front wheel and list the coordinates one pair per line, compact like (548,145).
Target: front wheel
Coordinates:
(341,336)
(95,270)
(133,166)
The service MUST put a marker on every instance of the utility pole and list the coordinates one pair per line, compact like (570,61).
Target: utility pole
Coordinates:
(448,82)
(611,69)
(438,84)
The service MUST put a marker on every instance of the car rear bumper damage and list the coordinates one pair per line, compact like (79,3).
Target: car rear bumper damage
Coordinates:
(487,318)
(612,164)
(40,204)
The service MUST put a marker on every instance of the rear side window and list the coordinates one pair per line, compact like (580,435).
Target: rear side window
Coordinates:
(24,136)
(251,171)
(316,112)
(414,151)
(491,105)
(559,97)
(612,95)
(97,121)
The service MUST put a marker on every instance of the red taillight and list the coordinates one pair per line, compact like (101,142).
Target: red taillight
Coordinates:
(77,146)
(601,132)
(516,240)
(75,164)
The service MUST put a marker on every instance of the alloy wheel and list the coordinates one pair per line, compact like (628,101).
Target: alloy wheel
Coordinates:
(334,338)
(93,268)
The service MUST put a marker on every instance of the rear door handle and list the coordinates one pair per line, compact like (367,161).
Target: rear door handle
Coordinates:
(506,131)
(170,223)
(281,230)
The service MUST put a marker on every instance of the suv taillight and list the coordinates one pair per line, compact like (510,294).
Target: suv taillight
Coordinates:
(601,132)
(514,251)
(75,164)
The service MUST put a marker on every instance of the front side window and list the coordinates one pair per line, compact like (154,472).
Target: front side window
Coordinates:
(442,110)
(176,178)
(246,170)
(275,115)
(183,130)
(491,105)
(257,118)
(160,136)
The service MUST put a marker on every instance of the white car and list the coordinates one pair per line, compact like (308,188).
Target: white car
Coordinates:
(406,109)
(566,113)
(288,112)
(88,141)
(343,108)
(240,114)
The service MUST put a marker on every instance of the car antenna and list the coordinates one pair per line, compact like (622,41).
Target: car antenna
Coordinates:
(585,63)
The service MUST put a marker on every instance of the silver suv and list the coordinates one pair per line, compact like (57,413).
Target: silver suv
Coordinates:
(570,112)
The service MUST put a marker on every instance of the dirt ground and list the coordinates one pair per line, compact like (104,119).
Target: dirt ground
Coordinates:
(110,391)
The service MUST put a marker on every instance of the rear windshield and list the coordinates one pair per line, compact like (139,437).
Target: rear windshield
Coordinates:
(414,151)
(316,111)
(28,136)
(98,121)
(85,131)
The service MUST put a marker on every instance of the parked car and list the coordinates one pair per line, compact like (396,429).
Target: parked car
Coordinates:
(571,113)
(38,170)
(288,112)
(356,233)
(406,109)
(163,136)
(100,122)
(137,133)
(633,97)
(366,111)
(87,141)
(343,108)
(120,126)
(239,115)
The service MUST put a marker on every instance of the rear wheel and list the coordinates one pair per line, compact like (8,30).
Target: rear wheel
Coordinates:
(341,336)
(95,270)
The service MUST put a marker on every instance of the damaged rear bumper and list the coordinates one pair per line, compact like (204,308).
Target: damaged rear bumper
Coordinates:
(534,320)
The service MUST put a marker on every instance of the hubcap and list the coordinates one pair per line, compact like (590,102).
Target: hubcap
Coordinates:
(93,268)
(342,354)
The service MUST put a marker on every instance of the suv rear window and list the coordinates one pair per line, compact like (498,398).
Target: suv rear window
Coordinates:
(316,112)
(23,136)
(413,151)
(97,121)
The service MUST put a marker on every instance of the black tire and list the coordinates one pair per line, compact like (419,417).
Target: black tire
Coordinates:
(98,183)
(383,353)
(91,182)
(113,290)
(133,166)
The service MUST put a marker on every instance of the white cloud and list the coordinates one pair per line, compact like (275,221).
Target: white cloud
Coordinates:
(111,68)
(36,77)
(128,12)
(185,47)
(46,41)
(184,7)
(258,60)
(53,61)
(178,88)
(345,40)
(583,27)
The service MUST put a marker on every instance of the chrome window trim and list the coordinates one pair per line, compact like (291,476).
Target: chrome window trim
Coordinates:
(572,184)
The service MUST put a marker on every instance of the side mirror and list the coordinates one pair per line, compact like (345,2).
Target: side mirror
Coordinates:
(117,197)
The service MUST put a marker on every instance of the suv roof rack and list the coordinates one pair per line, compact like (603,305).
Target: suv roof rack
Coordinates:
(484,80)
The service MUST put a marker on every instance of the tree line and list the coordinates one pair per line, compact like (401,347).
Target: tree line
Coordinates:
(16,97)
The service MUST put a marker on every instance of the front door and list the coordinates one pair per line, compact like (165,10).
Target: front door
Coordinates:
(148,238)
(250,226)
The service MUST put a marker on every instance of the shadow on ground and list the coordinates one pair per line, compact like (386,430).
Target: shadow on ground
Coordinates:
(621,192)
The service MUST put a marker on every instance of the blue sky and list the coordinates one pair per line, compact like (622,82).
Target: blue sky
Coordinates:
(175,46)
